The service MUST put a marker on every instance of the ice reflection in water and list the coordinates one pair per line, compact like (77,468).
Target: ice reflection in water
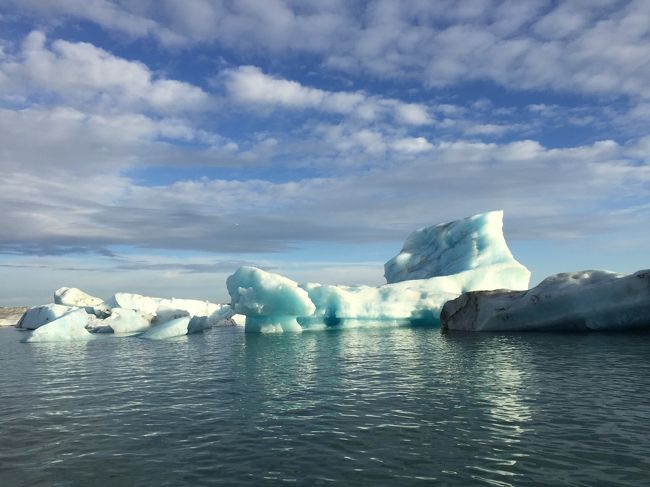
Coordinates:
(361,407)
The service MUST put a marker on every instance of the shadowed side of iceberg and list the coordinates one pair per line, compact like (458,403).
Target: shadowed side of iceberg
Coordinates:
(588,300)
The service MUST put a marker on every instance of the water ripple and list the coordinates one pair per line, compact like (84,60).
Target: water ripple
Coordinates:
(350,407)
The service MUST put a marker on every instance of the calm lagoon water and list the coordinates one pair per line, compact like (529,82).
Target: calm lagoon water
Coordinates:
(349,407)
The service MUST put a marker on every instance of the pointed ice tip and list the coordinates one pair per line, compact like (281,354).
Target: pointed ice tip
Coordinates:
(450,248)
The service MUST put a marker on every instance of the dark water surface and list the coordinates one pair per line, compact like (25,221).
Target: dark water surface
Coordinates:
(349,407)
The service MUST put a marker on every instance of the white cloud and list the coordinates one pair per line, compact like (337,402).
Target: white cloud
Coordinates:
(412,145)
(579,46)
(83,74)
(248,84)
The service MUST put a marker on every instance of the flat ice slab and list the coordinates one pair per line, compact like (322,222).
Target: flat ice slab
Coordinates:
(588,300)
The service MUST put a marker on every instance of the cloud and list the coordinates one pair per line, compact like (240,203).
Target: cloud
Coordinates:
(87,143)
(82,74)
(541,189)
(412,145)
(248,84)
(597,48)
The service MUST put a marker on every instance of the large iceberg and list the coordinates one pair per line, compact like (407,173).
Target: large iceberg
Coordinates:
(480,261)
(588,300)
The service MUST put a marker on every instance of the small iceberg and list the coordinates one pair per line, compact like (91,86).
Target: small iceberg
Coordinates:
(38,316)
(69,326)
(174,328)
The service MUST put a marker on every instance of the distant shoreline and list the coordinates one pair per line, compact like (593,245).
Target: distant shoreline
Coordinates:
(9,316)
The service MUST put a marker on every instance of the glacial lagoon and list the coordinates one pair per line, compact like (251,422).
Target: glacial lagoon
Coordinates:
(373,406)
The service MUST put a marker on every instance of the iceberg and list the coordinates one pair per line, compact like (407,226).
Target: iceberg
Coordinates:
(271,302)
(587,300)
(174,328)
(475,242)
(71,296)
(170,308)
(40,315)
(480,260)
(69,326)
(122,321)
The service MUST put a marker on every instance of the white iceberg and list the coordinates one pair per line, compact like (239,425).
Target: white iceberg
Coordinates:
(475,242)
(275,303)
(174,328)
(165,313)
(588,300)
(69,326)
(169,308)
(71,296)
(41,315)
(122,321)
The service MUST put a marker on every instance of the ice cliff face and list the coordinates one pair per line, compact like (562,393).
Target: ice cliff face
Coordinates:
(450,259)
(474,242)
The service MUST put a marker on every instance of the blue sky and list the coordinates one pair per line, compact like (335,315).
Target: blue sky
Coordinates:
(154,147)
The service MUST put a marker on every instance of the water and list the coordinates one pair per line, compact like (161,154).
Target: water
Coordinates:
(352,407)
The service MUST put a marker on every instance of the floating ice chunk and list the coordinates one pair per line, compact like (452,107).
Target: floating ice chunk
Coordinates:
(271,302)
(123,321)
(589,300)
(239,320)
(170,329)
(136,302)
(150,305)
(69,326)
(220,316)
(450,248)
(71,296)
(40,315)
(165,313)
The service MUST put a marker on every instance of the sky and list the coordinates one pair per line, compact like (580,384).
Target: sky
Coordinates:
(156,146)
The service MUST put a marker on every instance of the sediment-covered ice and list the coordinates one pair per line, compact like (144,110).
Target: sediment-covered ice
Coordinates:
(275,303)
(40,315)
(67,327)
(475,242)
(589,300)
